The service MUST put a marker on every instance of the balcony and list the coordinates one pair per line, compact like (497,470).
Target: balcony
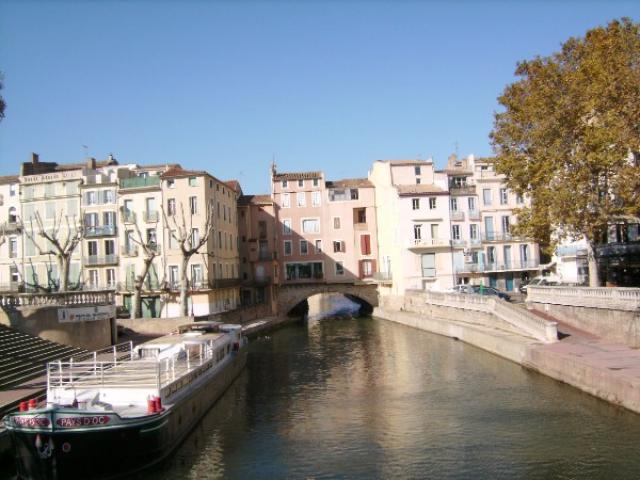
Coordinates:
(383,277)
(458,243)
(457,216)
(618,249)
(475,242)
(129,251)
(100,231)
(498,267)
(571,251)
(128,216)
(225,282)
(420,243)
(154,247)
(265,256)
(151,216)
(257,282)
(464,189)
(99,260)
(474,215)
(500,237)
(140,182)
(11,227)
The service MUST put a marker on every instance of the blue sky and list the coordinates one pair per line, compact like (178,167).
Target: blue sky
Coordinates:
(225,86)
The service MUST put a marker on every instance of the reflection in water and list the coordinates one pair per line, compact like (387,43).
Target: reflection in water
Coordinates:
(363,398)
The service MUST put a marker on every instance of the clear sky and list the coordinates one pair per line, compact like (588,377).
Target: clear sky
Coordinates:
(225,86)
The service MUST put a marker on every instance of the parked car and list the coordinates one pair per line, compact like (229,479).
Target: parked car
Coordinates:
(481,290)
(539,282)
(463,289)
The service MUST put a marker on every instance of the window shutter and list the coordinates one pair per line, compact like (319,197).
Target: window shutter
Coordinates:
(361,269)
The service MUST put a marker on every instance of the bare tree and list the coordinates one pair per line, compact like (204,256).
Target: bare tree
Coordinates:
(56,246)
(150,251)
(183,234)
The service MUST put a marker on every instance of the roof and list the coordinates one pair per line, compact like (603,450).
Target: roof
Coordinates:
(421,189)
(7,179)
(176,171)
(233,185)
(245,200)
(349,183)
(296,176)
(408,162)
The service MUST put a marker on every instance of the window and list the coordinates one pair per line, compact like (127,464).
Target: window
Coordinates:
(491,254)
(415,203)
(360,215)
(486,196)
(455,232)
(428,262)
(338,246)
(219,239)
(432,203)
(12,190)
(92,248)
(287,248)
(524,254)
(171,207)
(316,182)
(13,215)
(310,225)
(195,237)
(171,183)
(109,196)
(519,199)
(91,220)
(434,231)
(93,278)
(304,247)
(192,181)
(417,231)
(365,244)
(210,183)
(488,228)
(336,223)
(13,247)
(418,181)
(196,275)
(286,226)
(173,276)
(505,224)
(109,247)
(454,204)
(111,277)
(286,200)
(90,198)
(285,184)
(318,246)
(354,194)
(14,274)
(472,203)
(301,183)
(504,199)
(302,199)
(305,270)
(366,268)
(50,210)
(262,229)
(473,231)
(315,199)
(193,205)
(173,243)
(337,195)
(339,268)
(417,170)
(459,182)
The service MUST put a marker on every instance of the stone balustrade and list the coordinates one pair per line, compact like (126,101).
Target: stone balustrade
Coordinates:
(519,318)
(84,297)
(627,299)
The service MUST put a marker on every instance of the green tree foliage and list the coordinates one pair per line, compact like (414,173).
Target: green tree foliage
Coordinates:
(569,136)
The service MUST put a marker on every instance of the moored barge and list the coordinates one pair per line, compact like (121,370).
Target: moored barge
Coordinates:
(123,409)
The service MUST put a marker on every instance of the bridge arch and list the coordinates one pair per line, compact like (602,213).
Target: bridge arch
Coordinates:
(289,296)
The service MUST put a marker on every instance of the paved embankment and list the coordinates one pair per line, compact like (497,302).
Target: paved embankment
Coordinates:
(606,370)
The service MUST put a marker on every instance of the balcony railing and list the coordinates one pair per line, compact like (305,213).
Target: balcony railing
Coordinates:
(140,182)
(128,216)
(457,215)
(498,267)
(475,242)
(429,242)
(571,251)
(225,282)
(129,251)
(151,216)
(11,227)
(499,237)
(100,230)
(264,256)
(383,277)
(84,297)
(474,215)
(462,190)
(97,260)
(459,243)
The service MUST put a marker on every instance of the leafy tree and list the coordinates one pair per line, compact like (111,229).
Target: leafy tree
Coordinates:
(569,136)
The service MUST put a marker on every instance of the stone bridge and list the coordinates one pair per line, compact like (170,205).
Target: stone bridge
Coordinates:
(291,295)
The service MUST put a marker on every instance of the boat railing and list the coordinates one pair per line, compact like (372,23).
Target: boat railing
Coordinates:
(107,369)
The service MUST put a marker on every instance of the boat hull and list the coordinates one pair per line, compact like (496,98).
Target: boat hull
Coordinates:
(120,450)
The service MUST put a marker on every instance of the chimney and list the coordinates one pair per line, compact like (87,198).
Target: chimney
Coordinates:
(91,163)
(34,157)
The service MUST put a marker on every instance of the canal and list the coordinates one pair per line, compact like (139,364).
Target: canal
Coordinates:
(365,398)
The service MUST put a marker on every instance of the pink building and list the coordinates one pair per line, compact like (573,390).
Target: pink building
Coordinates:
(326,230)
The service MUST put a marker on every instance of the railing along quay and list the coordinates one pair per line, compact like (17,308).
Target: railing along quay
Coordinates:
(594,297)
(523,320)
(83,297)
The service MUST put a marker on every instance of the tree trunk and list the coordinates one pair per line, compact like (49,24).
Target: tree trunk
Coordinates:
(184,287)
(63,267)
(136,301)
(594,274)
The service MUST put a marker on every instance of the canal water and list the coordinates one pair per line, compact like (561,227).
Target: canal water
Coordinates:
(365,398)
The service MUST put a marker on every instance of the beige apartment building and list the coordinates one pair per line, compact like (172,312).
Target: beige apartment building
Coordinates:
(326,230)
(10,234)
